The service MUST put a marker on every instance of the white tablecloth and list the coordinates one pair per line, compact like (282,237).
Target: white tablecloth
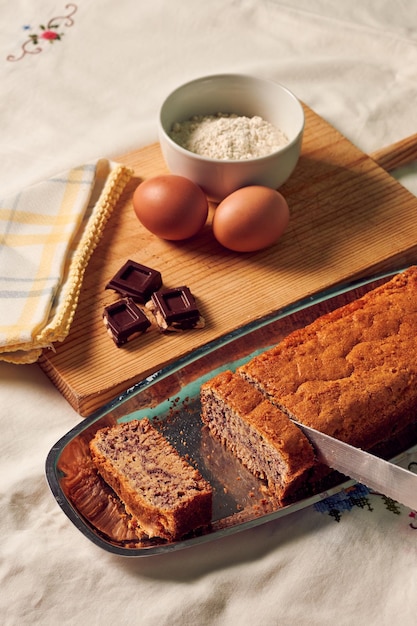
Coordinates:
(94,91)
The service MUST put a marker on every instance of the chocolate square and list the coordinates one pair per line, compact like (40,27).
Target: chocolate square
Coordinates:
(175,309)
(135,281)
(124,321)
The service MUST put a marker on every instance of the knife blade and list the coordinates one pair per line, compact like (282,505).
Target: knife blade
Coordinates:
(382,476)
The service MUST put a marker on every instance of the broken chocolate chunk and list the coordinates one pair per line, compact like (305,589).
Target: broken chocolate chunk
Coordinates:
(175,309)
(135,281)
(124,321)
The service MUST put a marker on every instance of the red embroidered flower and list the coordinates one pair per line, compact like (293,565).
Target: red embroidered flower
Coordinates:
(50,35)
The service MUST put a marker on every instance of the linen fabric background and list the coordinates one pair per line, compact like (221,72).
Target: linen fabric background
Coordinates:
(92,90)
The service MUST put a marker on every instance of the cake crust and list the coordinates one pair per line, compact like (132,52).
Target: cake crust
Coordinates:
(352,373)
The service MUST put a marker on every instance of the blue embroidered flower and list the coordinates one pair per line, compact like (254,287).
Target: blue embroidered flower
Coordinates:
(357,495)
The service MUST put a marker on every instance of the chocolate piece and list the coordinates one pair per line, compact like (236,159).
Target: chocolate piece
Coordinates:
(175,309)
(136,281)
(124,321)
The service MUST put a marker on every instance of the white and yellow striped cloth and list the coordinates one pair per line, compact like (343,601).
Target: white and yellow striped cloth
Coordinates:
(47,235)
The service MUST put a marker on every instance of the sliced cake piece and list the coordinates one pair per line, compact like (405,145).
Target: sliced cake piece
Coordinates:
(168,497)
(258,433)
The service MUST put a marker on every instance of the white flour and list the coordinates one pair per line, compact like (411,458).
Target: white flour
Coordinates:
(228,136)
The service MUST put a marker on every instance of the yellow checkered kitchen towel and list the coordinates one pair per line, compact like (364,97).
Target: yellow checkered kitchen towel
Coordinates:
(47,235)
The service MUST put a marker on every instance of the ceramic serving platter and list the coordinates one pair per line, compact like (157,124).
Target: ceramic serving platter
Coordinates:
(170,397)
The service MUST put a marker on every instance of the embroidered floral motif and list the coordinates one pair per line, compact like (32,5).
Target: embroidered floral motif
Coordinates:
(413,524)
(391,505)
(49,33)
(357,495)
(360,496)
(46,34)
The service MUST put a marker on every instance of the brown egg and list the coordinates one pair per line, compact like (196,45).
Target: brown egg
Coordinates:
(250,219)
(172,207)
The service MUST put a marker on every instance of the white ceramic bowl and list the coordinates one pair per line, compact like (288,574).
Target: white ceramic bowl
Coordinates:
(245,96)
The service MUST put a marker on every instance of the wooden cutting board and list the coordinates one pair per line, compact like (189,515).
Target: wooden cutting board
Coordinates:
(349,218)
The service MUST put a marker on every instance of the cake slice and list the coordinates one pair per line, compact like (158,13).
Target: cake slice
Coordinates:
(264,439)
(167,496)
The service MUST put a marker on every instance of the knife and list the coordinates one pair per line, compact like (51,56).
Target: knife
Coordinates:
(382,476)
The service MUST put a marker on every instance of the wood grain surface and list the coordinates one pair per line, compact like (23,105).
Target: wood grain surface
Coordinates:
(349,218)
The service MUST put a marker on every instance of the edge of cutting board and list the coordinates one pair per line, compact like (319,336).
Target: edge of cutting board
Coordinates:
(349,218)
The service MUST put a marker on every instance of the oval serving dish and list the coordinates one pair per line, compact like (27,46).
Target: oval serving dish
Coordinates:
(170,397)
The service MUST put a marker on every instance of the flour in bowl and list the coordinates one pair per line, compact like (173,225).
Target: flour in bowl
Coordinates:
(228,136)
